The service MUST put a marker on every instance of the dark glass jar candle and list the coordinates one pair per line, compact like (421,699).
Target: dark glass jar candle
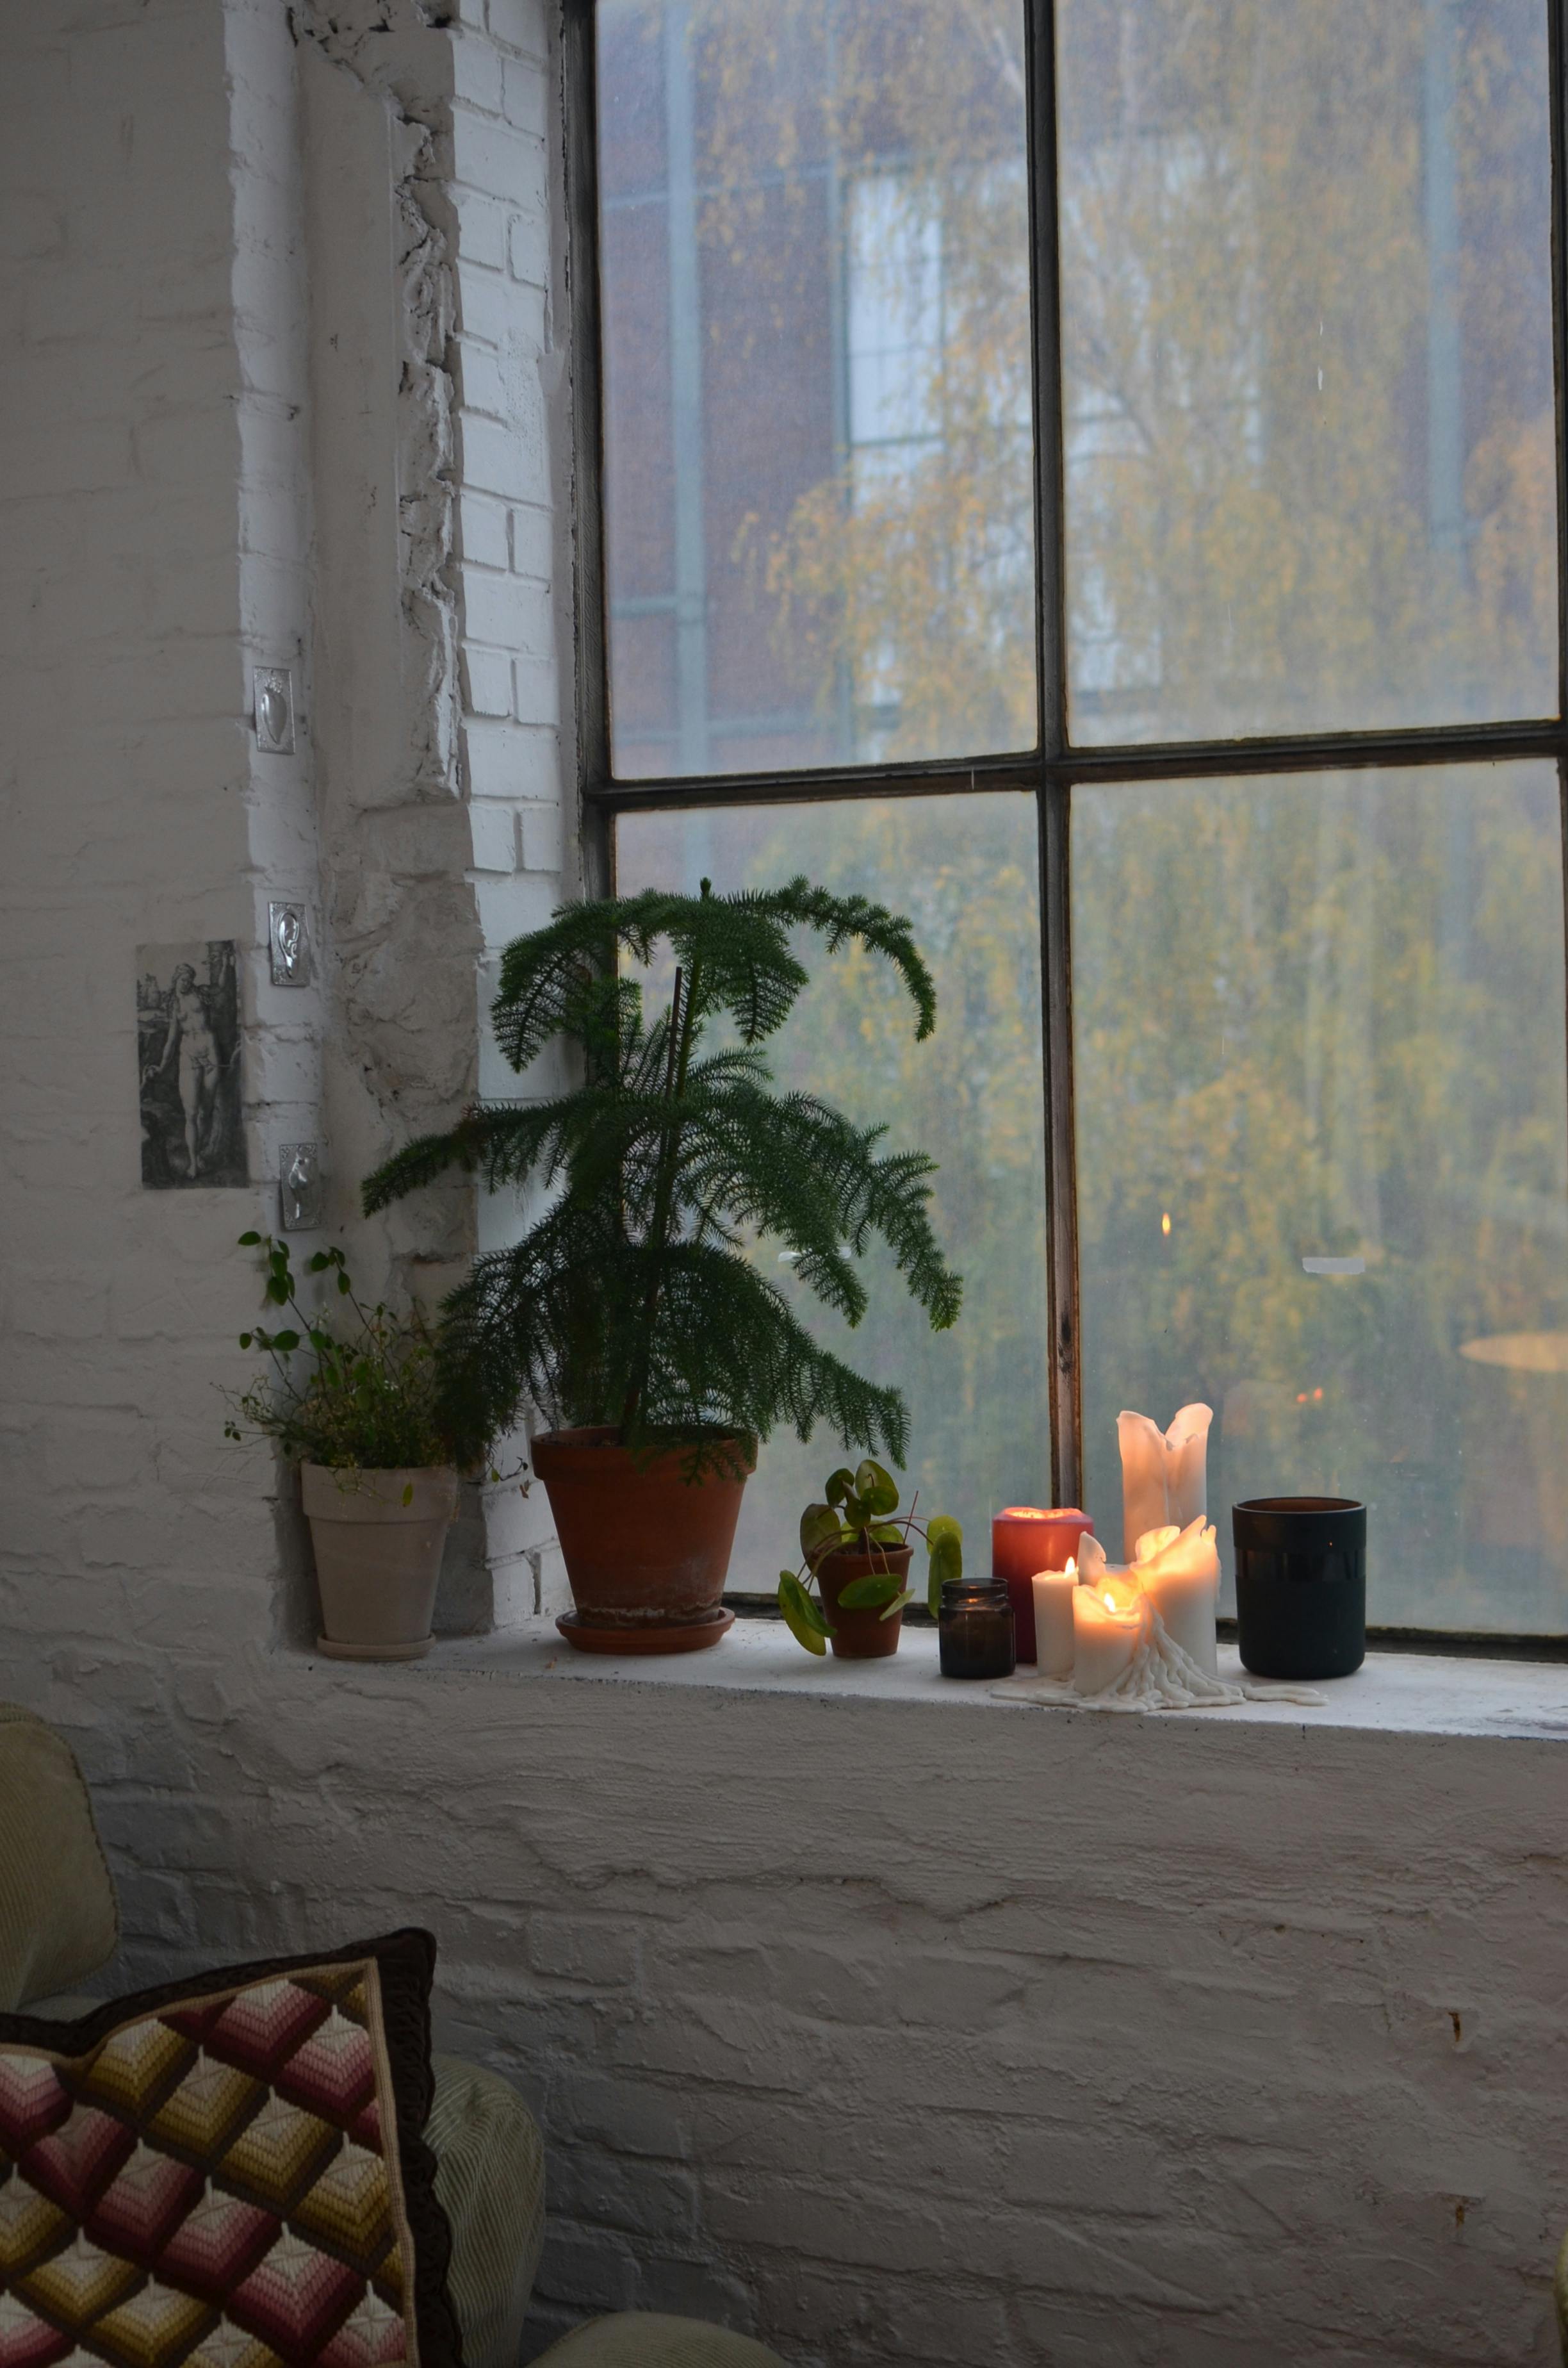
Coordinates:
(975,1629)
(1300,1585)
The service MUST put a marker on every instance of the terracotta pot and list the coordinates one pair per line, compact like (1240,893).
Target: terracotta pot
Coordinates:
(643,1548)
(862,1635)
(377,1558)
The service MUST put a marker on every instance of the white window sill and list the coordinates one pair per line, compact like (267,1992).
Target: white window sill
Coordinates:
(1391,1693)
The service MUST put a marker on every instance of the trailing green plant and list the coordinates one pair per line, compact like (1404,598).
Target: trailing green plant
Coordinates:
(634,1300)
(369,1396)
(861,1514)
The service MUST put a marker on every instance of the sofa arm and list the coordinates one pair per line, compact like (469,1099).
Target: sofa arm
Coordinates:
(490,2181)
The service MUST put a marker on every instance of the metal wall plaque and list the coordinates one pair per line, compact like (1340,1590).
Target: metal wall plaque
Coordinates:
(274,694)
(300,1188)
(289,945)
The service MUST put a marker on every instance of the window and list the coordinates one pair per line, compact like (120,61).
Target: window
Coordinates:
(1089,475)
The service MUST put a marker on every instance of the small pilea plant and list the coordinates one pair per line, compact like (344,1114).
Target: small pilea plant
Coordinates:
(860,1512)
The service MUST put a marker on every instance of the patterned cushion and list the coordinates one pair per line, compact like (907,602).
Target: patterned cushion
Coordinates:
(227,2173)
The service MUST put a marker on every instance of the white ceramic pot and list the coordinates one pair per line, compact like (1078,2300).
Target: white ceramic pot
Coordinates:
(377,1538)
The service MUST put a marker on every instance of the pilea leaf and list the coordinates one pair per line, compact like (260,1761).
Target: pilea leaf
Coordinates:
(944,1541)
(802,1617)
(864,1594)
(820,1530)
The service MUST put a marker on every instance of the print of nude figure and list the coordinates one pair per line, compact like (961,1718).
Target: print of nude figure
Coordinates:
(188,1044)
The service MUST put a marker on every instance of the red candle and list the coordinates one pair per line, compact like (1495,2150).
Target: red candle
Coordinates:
(1024,1539)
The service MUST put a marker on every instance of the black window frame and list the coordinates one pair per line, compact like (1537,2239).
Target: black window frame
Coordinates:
(1053,770)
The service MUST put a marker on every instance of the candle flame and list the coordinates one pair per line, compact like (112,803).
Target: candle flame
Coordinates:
(1109,1600)
(1072,1570)
(1166,1222)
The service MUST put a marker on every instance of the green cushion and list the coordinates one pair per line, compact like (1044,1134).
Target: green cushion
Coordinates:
(58,1917)
(641,2339)
(490,2179)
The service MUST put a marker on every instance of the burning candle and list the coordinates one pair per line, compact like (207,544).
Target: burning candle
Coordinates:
(1179,1571)
(1027,1538)
(1107,1621)
(1053,1591)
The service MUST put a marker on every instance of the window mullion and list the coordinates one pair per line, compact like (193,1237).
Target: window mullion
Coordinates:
(1055,792)
(1558,53)
(1050,512)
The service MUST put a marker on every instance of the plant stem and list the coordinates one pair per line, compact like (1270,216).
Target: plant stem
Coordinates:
(683,1029)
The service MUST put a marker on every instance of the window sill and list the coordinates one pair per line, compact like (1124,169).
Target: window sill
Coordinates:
(1391,1693)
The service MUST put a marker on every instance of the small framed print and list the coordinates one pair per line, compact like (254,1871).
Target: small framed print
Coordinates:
(187,1049)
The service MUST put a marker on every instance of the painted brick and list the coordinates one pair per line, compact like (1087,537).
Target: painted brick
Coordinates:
(483,223)
(476,76)
(512,761)
(494,458)
(488,680)
(532,548)
(504,162)
(542,838)
(528,247)
(495,829)
(520,24)
(538,683)
(525,98)
(483,536)
(486,380)
(508,612)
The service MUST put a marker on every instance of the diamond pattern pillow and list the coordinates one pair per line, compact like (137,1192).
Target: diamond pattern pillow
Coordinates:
(229,2172)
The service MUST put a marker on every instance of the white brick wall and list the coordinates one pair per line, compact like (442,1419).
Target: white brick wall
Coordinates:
(922,2036)
(899,2037)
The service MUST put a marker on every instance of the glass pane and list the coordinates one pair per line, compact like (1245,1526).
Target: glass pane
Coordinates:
(965,869)
(1321,1017)
(1307,360)
(818,434)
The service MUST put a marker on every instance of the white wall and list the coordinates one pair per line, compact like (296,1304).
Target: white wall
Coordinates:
(928,2034)
(898,2036)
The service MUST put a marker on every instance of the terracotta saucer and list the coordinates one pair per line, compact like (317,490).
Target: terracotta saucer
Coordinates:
(689,1636)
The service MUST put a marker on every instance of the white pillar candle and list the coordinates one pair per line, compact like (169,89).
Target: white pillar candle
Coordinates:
(1107,1621)
(1053,1592)
(1165,1475)
(1179,1571)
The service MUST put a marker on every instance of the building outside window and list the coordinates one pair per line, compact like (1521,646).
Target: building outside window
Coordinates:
(1088,476)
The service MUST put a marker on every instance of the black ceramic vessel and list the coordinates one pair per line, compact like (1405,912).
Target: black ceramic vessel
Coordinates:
(1300,1585)
(976,1634)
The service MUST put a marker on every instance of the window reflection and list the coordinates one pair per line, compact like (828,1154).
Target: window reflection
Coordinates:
(1307,365)
(818,441)
(965,869)
(1319,1027)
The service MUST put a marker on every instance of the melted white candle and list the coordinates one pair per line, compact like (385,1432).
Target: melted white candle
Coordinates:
(1179,1571)
(1108,1622)
(1053,1591)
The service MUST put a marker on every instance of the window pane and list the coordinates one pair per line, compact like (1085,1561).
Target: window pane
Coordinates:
(1308,373)
(818,439)
(1322,1017)
(965,869)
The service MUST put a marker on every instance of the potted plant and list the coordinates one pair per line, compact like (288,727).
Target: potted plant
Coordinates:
(364,1422)
(635,1311)
(856,1548)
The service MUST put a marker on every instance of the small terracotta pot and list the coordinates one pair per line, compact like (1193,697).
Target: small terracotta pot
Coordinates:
(862,1635)
(642,1547)
(377,1558)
